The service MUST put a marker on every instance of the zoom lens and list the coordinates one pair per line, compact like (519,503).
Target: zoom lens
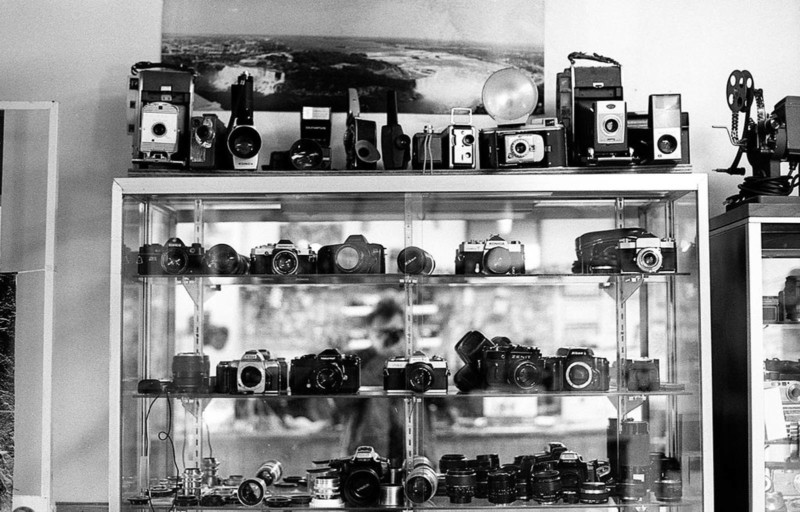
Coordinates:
(419,376)
(413,260)
(501,488)
(421,482)
(546,486)
(222,259)
(328,378)
(244,141)
(460,485)
(285,262)
(362,488)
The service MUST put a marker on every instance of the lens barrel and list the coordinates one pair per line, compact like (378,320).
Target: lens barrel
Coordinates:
(501,488)
(460,485)
(421,482)
(270,471)
(546,486)
(190,371)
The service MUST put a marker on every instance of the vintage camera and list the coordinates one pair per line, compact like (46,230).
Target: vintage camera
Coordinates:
(631,250)
(222,259)
(583,371)
(418,373)
(574,472)
(540,143)
(395,145)
(641,374)
(413,260)
(354,256)
(329,372)
(282,258)
(257,372)
(207,144)
(646,147)
(779,369)
(521,368)
(771,309)
(148,261)
(361,477)
(160,100)
(492,256)
(312,151)
(455,147)
(177,259)
(244,141)
(360,138)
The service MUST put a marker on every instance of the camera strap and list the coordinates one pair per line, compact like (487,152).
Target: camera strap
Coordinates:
(596,57)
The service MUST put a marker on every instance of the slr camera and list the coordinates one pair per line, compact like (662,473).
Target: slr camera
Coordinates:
(583,371)
(574,471)
(539,143)
(521,368)
(455,147)
(627,250)
(178,259)
(313,149)
(329,372)
(282,258)
(257,372)
(354,256)
(492,256)
(361,477)
(641,374)
(418,373)
(148,261)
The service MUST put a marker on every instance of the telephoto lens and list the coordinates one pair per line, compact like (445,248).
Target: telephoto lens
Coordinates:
(546,486)
(593,493)
(460,485)
(326,492)
(634,451)
(251,492)
(421,480)
(270,472)
(222,259)
(501,488)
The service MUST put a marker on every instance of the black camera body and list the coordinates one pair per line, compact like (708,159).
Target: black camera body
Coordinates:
(329,372)
(470,348)
(492,256)
(360,138)
(282,258)
(207,149)
(313,150)
(455,147)
(148,261)
(354,256)
(521,368)
(361,477)
(418,373)
(395,145)
(257,373)
(626,250)
(178,259)
(583,371)
(642,374)
(540,143)
(574,471)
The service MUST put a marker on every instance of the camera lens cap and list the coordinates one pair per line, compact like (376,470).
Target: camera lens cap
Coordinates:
(510,96)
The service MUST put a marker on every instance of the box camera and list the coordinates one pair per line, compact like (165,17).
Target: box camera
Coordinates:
(207,145)
(603,129)
(540,143)
(354,256)
(583,371)
(455,147)
(257,372)
(244,141)
(361,477)
(360,138)
(521,368)
(417,373)
(641,374)
(160,105)
(329,372)
(313,150)
(395,145)
(282,258)
(492,256)
(629,250)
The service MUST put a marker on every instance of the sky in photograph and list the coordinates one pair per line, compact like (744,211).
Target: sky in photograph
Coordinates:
(504,22)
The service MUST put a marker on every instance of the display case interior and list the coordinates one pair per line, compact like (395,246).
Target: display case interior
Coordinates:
(497,291)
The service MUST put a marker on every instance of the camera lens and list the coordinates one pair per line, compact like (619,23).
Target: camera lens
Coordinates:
(222,259)
(546,486)
(306,154)
(497,260)
(501,488)
(362,487)
(468,139)
(593,493)
(631,490)
(251,376)
(251,492)
(460,485)
(668,489)
(419,376)
(326,492)
(611,125)
(452,461)
(667,144)
(270,471)
(327,378)
(491,460)
(285,262)
(578,375)
(174,260)
(204,133)
(190,371)
(519,148)
(422,482)
(525,374)
(413,260)
(348,259)
(158,129)
(649,260)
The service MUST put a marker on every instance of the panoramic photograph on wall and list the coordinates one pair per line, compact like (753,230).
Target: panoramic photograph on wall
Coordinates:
(435,55)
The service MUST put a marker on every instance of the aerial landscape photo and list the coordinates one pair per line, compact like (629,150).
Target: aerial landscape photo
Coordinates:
(439,62)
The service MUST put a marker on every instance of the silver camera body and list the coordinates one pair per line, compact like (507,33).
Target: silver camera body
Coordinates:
(159,131)
(258,373)
(523,148)
(611,132)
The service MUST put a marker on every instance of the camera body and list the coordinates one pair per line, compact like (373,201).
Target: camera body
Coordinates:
(642,374)
(257,372)
(492,256)
(652,149)
(455,147)
(573,470)
(619,250)
(648,254)
(313,150)
(604,126)
(329,372)
(521,368)
(360,138)
(244,141)
(583,371)
(207,143)
(361,476)
(354,256)
(540,143)
(418,373)
(282,258)
(395,145)
(178,259)
(786,482)
(148,261)
(780,369)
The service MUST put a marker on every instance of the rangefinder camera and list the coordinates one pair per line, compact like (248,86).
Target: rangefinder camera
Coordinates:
(259,373)
(492,256)
(627,250)
(329,372)
(539,143)
(354,256)
(418,373)
(282,258)
(455,147)
(583,371)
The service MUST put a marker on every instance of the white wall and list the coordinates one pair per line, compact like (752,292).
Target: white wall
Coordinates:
(79,52)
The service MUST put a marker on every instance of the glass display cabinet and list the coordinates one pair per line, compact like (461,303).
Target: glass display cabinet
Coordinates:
(480,321)
(756,253)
